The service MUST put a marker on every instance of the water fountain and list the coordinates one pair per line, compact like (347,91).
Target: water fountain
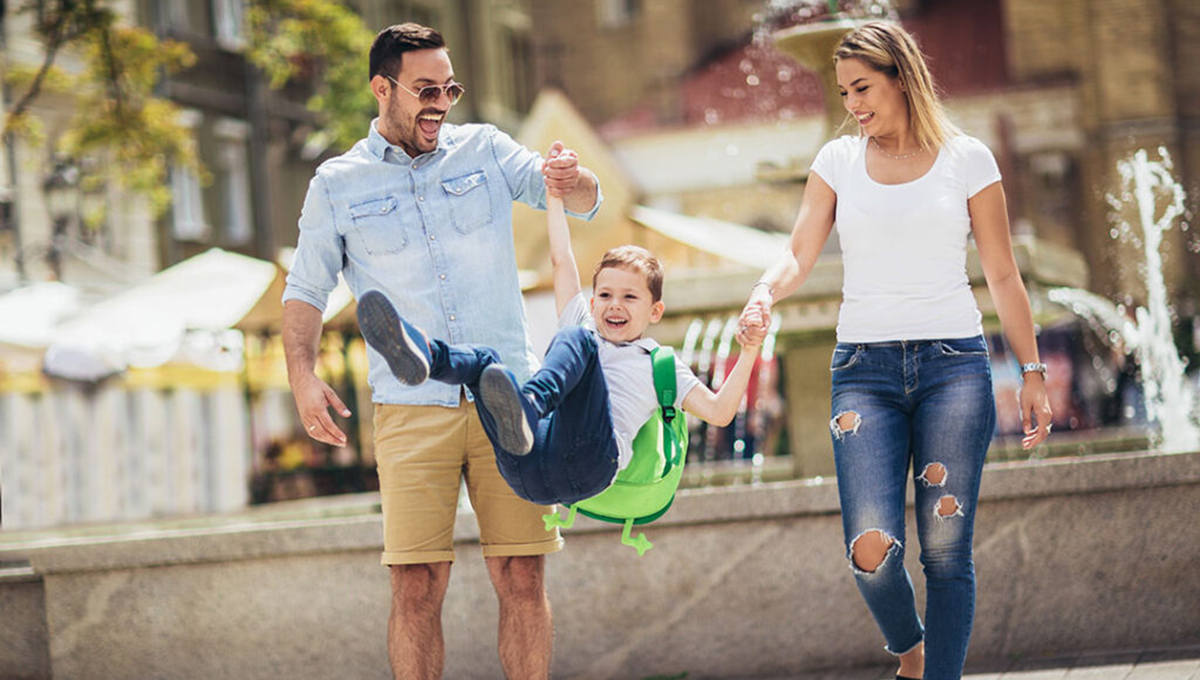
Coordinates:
(1170,400)
(809,30)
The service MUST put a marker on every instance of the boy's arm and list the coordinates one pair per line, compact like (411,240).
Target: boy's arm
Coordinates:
(562,258)
(721,407)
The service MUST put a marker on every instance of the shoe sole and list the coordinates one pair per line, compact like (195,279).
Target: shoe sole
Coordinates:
(383,330)
(503,401)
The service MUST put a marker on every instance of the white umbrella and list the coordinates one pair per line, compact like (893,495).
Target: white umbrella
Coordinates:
(145,325)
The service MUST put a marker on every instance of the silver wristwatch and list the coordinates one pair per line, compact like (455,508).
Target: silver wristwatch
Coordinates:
(1033,367)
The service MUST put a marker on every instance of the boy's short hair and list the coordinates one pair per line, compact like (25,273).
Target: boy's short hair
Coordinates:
(392,42)
(634,257)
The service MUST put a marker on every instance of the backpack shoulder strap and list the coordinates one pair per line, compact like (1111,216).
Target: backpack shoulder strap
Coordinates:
(664,380)
(665,385)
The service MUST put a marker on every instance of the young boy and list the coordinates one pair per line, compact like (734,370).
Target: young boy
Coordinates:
(563,435)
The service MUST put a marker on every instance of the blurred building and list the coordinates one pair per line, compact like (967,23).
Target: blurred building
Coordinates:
(1061,91)
(707,120)
(189,433)
(254,140)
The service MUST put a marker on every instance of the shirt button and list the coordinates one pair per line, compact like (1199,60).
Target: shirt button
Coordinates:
(420,198)
(433,237)
(452,317)
(443,277)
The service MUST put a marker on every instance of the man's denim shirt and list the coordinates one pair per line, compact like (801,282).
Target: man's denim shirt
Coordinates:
(432,233)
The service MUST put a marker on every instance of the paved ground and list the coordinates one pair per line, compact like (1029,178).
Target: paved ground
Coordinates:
(1169,664)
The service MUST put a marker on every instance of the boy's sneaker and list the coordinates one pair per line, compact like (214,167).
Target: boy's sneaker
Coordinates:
(514,415)
(401,344)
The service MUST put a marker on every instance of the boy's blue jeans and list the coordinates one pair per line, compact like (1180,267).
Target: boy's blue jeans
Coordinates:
(574,452)
(930,403)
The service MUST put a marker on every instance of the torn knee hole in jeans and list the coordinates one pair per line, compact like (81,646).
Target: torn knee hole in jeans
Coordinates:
(877,548)
(934,474)
(947,507)
(846,422)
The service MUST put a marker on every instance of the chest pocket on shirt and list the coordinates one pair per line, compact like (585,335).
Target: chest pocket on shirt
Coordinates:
(470,202)
(377,224)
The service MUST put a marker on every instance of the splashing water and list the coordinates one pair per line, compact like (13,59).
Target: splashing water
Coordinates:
(1169,398)
(783,13)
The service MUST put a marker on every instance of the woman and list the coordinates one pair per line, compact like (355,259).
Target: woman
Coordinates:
(911,378)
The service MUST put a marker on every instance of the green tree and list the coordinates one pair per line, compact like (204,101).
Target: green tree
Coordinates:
(138,135)
(116,115)
(319,41)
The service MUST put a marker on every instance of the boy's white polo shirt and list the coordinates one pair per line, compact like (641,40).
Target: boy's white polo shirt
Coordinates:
(629,375)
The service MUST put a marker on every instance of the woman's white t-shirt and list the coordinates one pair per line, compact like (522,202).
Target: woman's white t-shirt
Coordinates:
(904,246)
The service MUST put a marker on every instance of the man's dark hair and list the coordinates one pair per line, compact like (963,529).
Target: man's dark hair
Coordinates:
(392,42)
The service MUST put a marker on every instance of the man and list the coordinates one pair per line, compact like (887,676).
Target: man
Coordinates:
(421,211)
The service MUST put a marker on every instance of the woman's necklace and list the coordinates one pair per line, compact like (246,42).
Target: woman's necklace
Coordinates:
(895,158)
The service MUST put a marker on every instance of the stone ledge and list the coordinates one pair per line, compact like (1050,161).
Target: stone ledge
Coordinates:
(248,537)
(743,582)
(18,574)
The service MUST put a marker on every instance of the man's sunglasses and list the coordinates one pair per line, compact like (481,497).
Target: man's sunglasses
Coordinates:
(431,93)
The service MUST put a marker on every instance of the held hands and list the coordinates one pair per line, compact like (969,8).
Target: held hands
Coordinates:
(751,328)
(561,170)
(755,318)
(1035,405)
(313,400)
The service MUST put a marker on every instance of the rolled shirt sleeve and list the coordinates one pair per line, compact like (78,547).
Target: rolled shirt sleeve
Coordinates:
(319,250)
(522,170)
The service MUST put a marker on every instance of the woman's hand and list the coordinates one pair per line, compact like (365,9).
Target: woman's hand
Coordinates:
(1035,405)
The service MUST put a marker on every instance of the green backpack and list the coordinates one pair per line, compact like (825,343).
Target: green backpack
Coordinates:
(644,490)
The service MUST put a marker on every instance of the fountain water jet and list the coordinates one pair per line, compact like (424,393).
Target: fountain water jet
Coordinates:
(1169,399)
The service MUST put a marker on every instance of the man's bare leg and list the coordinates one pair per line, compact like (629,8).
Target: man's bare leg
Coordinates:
(415,645)
(526,635)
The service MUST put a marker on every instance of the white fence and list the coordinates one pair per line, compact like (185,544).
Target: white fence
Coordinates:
(71,454)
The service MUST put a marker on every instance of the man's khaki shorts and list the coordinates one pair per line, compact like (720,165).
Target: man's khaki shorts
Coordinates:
(423,452)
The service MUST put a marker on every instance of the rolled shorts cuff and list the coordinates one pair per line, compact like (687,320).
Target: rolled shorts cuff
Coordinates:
(425,557)
(546,547)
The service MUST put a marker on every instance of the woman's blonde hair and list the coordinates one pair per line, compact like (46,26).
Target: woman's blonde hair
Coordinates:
(891,50)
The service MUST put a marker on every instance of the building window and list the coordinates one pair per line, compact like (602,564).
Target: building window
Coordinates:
(187,207)
(418,12)
(228,22)
(516,44)
(187,199)
(233,181)
(187,18)
(616,13)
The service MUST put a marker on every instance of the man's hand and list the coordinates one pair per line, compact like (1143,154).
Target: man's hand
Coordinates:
(313,400)
(561,170)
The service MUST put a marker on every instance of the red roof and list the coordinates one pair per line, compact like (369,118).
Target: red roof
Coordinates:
(751,82)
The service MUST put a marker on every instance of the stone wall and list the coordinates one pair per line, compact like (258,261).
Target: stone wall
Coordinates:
(1072,555)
